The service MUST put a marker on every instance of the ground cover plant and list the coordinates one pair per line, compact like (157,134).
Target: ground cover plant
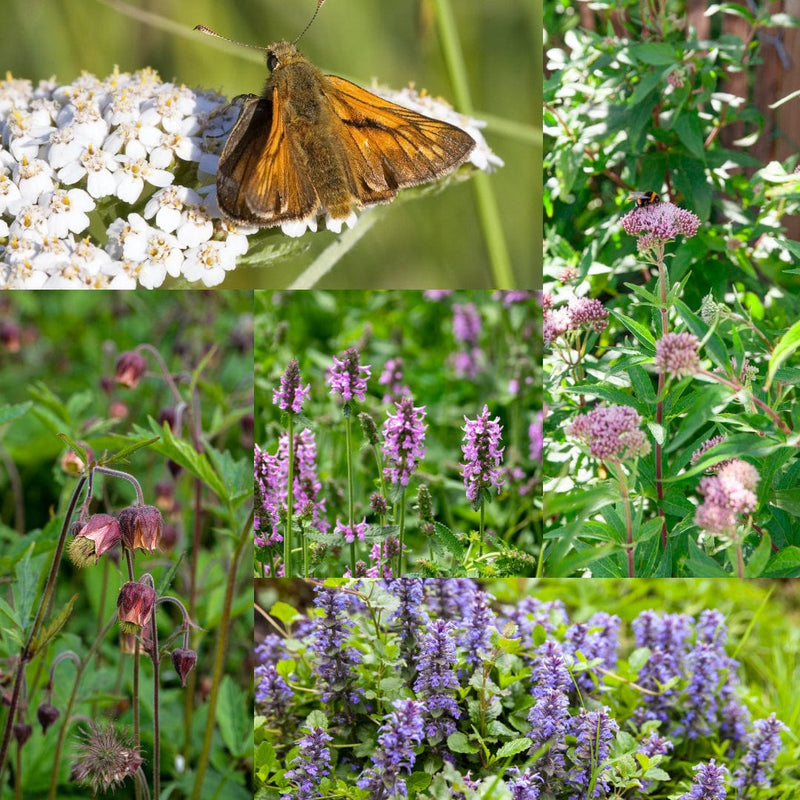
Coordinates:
(670,314)
(406,426)
(125,545)
(434,689)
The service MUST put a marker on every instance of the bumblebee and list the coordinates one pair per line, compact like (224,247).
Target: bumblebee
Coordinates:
(643,199)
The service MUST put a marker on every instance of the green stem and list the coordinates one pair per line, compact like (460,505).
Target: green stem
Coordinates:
(480,551)
(350,492)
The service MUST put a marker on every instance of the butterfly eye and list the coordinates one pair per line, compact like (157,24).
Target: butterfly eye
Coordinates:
(272,61)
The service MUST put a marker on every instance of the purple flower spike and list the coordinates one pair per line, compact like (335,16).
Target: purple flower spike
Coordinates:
(402,731)
(595,731)
(482,454)
(523,785)
(347,377)
(437,680)
(310,766)
(709,783)
(291,394)
(404,438)
(763,744)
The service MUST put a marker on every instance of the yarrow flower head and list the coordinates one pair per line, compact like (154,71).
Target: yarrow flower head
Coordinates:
(660,221)
(404,440)
(347,377)
(611,432)
(310,765)
(290,395)
(482,455)
(676,354)
(709,782)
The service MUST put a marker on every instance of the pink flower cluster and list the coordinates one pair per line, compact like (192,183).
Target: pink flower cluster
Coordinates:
(727,494)
(611,432)
(660,221)
(580,312)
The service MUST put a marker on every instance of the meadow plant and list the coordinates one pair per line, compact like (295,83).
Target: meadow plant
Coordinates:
(324,508)
(670,328)
(429,691)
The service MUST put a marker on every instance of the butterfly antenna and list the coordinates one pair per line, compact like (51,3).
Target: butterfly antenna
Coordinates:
(313,17)
(209,32)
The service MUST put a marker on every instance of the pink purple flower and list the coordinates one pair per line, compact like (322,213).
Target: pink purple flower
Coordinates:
(611,432)
(729,493)
(466,323)
(662,221)
(290,395)
(272,692)
(348,377)
(404,441)
(536,437)
(676,354)
(482,455)
(307,487)
(523,785)
(392,379)
(357,530)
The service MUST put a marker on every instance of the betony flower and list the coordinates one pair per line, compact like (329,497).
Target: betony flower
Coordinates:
(307,486)
(357,530)
(347,377)
(290,395)
(401,733)
(404,441)
(267,498)
(536,437)
(611,432)
(392,379)
(676,354)
(310,765)
(466,323)
(709,782)
(482,455)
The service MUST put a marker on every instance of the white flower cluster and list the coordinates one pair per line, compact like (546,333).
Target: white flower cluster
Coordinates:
(78,166)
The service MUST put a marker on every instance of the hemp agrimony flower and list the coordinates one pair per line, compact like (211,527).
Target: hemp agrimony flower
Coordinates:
(611,432)
(676,354)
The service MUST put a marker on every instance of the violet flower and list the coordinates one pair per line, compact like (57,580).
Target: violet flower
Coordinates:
(763,745)
(310,766)
(596,638)
(273,694)
(348,377)
(523,785)
(289,397)
(477,633)
(307,486)
(549,720)
(550,670)
(267,500)
(402,731)
(595,731)
(404,438)
(708,784)
(436,680)
(392,379)
(482,455)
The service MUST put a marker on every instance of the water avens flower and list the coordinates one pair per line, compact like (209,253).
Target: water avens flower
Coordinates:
(141,527)
(105,757)
(676,354)
(100,533)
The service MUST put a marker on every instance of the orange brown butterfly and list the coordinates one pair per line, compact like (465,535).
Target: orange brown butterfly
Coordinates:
(315,144)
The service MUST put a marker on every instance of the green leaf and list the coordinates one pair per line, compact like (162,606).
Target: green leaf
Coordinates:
(233,719)
(317,719)
(513,747)
(786,346)
(9,413)
(458,743)
(655,53)
(418,781)
(284,612)
(448,540)
(785,564)
(758,561)
(54,627)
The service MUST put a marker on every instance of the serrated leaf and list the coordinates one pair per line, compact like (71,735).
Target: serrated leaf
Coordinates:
(513,747)
(9,413)
(458,743)
(233,719)
(317,719)
(54,627)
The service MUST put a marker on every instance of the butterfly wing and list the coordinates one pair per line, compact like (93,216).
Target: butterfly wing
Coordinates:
(261,178)
(394,147)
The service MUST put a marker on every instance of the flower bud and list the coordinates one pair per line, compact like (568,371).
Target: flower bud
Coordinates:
(22,732)
(135,604)
(47,715)
(130,368)
(73,464)
(183,660)
(141,527)
(98,535)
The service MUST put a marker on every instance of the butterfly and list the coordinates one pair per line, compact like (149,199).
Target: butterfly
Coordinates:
(644,198)
(314,144)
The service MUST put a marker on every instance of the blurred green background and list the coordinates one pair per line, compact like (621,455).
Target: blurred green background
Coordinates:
(436,241)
